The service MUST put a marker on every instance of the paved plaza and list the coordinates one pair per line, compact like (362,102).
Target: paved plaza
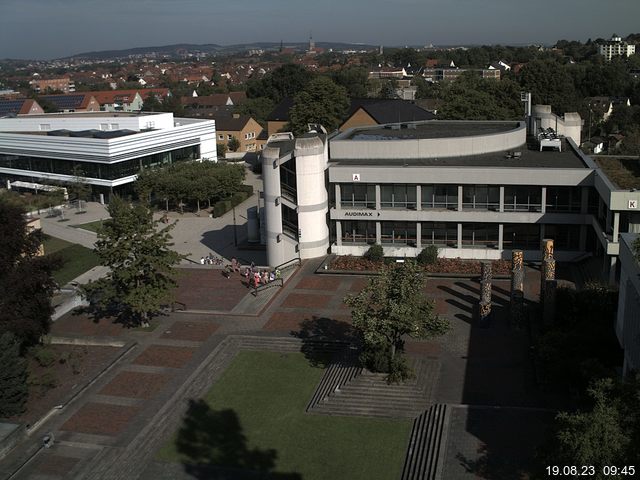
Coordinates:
(115,427)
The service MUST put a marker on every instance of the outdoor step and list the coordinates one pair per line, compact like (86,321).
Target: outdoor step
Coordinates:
(388,397)
(377,402)
(384,389)
(425,445)
(364,412)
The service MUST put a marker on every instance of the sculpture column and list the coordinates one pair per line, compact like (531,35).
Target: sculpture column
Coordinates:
(484,305)
(516,305)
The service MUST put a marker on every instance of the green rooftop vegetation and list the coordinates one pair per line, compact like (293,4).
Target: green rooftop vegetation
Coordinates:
(624,173)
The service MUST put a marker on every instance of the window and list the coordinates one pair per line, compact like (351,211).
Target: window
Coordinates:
(289,222)
(441,234)
(481,197)
(565,237)
(439,196)
(398,196)
(221,137)
(45,126)
(358,195)
(358,233)
(398,233)
(104,126)
(114,126)
(229,136)
(523,236)
(480,235)
(564,199)
(522,198)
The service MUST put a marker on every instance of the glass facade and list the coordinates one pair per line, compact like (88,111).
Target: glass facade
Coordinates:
(398,233)
(440,234)
(102,171)
(522,236)
(523,199)
(358,195)
(289,222)
(481,197)
(288,181)
(480,235)
(564,199)
(565,237)
(398,196)
(358,233)
(439,196)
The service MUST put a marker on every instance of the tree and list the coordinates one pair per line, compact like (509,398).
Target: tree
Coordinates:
(285,81)
(26,280)
(152,104)
(141,264)
(233,144)
(79,187)
(388,89)
(221,148)
(257,108)
(13,376)
(391,307)
(604,434)
(551,84)
(354,79)
(321,102)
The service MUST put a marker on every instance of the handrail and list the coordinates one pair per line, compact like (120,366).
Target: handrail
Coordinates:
(278,282)
(288,263)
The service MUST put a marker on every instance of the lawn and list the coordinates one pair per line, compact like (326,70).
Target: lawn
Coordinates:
(254,418)
(92,226)
(77,259)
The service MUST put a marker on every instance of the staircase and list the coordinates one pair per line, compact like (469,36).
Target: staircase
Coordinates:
(369,395)
(338,374)
(426,445)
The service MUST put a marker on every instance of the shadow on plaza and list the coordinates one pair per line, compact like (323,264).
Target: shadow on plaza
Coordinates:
(223,242)
(213,447)
(320,334)
(505,417)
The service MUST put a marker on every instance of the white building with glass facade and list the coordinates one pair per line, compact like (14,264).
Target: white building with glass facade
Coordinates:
(474,189)
(109,148)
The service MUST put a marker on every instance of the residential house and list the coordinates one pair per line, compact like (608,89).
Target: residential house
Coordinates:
(212,105)
(65,85)
(615,47)
(374,111)
(73,102)
(242,127)
(18,107)
(128,100)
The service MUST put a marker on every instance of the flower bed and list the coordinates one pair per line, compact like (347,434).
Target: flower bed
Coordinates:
(442,265)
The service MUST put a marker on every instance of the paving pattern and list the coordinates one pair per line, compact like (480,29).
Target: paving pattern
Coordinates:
(114,429)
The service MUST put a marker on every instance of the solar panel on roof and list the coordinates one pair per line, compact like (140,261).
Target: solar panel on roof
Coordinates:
(10,106)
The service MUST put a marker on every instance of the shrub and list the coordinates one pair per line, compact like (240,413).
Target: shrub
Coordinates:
(44,356)
(237,198)
(428,255)
(13,377)
(375,253)
(221,207)
(248,189)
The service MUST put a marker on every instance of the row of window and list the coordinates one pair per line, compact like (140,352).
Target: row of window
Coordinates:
(104,171)
(445,234)
(474,197)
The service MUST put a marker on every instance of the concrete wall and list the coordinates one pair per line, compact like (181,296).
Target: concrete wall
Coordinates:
(85,121)
(628,317)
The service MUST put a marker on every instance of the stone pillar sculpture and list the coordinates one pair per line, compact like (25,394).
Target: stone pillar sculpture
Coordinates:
(548,282)
(516,305)
(547,255)
(484,305)
(549,302)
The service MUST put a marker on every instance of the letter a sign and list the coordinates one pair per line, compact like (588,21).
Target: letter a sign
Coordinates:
(356,177)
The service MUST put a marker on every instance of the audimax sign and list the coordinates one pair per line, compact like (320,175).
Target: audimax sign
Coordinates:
(359,214)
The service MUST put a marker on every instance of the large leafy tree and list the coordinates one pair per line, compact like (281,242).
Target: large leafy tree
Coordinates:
(13,376)
(26,282)
(605,433)
(323,102)
(551,84)
(393,306)
(141,264)
(285,81)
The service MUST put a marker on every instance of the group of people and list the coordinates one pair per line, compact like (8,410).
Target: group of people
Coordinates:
(256,277)
(210,260)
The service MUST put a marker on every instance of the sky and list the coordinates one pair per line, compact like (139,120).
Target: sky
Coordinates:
(45,29)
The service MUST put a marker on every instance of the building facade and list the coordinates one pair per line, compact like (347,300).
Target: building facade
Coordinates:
(110,149)
(476,190)
(615,47)
(628,317)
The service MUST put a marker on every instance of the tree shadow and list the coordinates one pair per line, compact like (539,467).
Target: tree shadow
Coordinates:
(325,339)
(214,447)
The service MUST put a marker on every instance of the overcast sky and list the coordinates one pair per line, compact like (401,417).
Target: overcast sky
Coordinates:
(43,29)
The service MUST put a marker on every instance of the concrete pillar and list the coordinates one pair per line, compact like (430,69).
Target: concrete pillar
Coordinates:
(516,304)
(484,304)
(419,235)
(378,197)
(378,233)
(459,235)
(460,193)
(616,226)
(544,200)
(272,206)
(500,237)
(339,233)
(501,209)
(418,197)
(338,194)
(612,269)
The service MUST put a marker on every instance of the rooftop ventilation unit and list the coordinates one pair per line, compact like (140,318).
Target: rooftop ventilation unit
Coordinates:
(395,127)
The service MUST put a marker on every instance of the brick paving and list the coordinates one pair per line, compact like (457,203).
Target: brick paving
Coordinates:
(191,331)
(100,419)
(84,325)
(135,385)
(165,356)
(55,465)
(475,362)
(209,289)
